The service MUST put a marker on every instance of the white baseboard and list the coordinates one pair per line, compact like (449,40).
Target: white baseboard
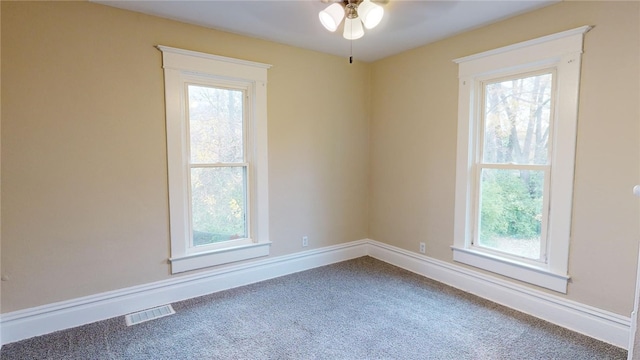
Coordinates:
(593,322)
(45,319)
(596,323)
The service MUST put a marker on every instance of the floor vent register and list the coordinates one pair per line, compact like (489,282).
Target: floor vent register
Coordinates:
(149,314)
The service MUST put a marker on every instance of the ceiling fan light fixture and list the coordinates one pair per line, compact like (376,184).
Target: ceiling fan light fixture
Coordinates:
(331,17)
(370,13)
(353,29)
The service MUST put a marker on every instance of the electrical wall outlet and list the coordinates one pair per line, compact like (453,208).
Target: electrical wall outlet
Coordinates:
(423,247)
(305,241)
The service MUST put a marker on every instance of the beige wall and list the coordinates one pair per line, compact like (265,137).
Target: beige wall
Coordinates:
(413,144)
(84,173)
(84,189)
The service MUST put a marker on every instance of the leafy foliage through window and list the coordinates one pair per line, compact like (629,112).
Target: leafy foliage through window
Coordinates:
(218,167)
(514,165)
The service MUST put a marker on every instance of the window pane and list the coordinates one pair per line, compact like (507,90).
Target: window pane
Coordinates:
(516,120)
(511,211)
(215,125)
(218,204)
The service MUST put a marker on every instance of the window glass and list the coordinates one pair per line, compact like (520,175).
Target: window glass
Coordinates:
(215,125)
(511,211)
(516,120)
(218,188)
(515,160)
(218,204)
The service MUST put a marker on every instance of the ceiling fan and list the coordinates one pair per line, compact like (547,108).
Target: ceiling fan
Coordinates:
(355,13)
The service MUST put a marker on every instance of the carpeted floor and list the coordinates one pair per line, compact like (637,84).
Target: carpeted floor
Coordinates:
(358,309)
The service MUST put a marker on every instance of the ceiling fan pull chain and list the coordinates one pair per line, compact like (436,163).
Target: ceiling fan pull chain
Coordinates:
(351,50)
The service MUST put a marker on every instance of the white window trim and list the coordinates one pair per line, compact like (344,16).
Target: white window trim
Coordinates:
(561,51)
(180,68)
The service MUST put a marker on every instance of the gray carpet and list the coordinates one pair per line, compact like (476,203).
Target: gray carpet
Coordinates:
(358,309)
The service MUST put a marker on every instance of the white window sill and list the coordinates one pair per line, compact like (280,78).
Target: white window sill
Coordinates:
(513,269)
(219,257)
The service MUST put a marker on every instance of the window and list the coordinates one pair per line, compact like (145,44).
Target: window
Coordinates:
(512,170)
(217,158)
(517,119)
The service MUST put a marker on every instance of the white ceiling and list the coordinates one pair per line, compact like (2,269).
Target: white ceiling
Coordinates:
(407,23)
